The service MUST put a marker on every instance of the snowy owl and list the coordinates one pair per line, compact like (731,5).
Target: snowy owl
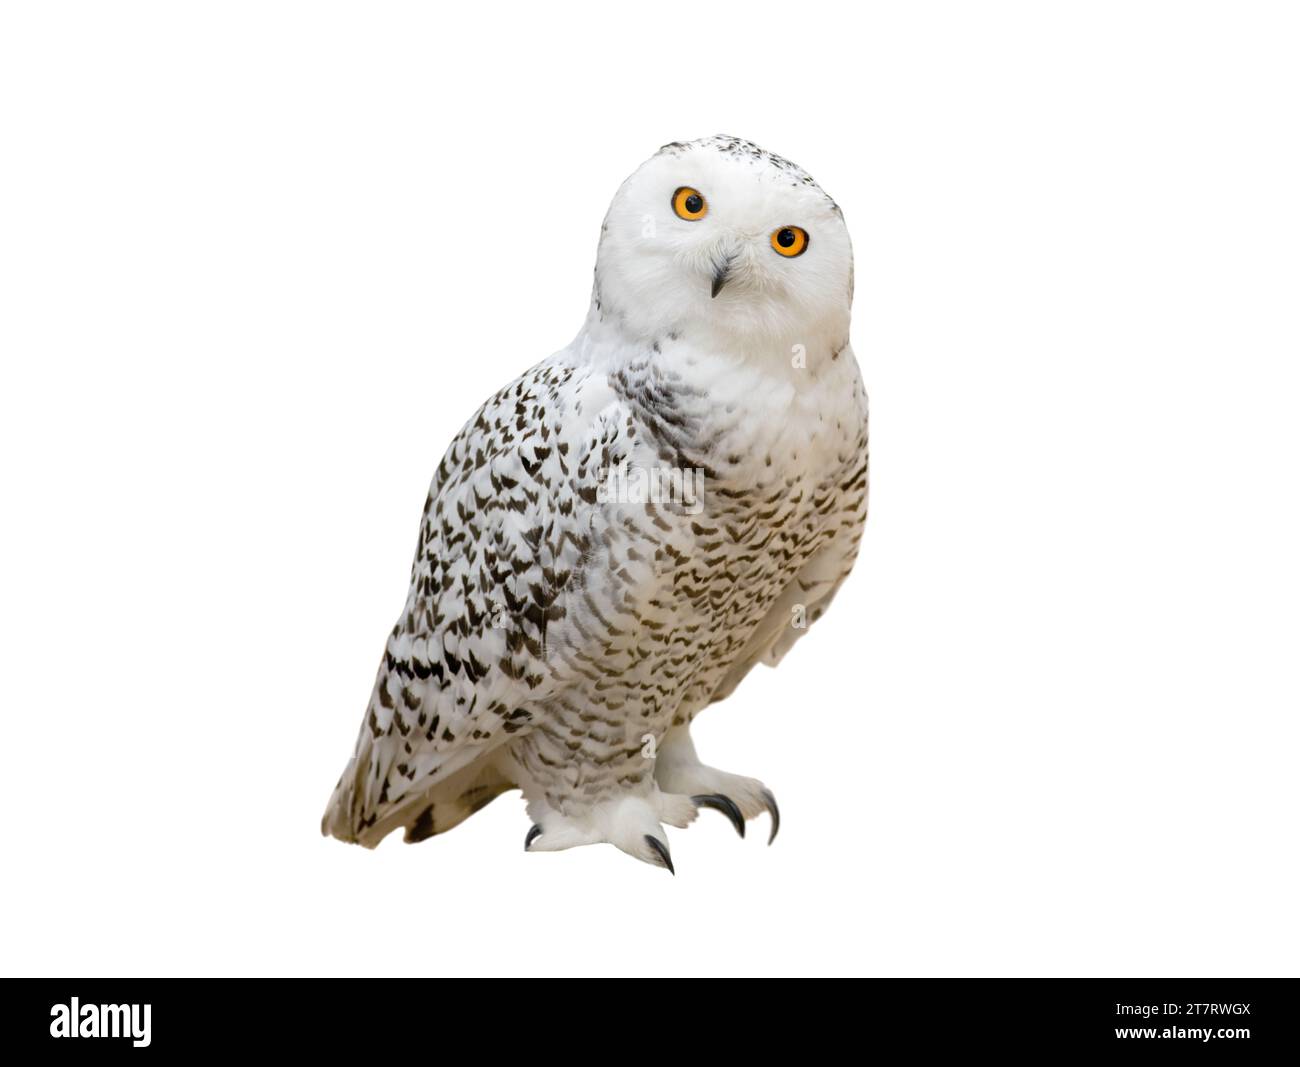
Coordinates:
(616,537)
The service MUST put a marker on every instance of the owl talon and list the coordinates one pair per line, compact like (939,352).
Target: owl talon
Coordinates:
(724,804)
(533,834)
(774,811)
(661,850)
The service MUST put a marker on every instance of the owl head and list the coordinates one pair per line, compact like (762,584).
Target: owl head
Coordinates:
(720,240)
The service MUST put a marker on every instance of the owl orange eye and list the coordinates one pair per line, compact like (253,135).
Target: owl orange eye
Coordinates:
(790,241)
(689,204)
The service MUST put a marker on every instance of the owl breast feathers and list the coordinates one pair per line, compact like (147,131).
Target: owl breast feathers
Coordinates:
(616,537)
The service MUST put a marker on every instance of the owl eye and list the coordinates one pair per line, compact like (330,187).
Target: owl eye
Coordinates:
(790,241)
(689,204)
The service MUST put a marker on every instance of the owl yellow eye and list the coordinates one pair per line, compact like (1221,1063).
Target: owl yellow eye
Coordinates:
(689,204)
(790,241)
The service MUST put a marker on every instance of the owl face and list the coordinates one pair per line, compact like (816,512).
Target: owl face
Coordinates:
(723,238)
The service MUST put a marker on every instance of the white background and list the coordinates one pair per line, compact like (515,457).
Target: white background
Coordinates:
(259,261)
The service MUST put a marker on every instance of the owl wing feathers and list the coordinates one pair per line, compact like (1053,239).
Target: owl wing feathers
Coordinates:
(505,531)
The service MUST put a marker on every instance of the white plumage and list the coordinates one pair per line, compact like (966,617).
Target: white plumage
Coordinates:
(573,604)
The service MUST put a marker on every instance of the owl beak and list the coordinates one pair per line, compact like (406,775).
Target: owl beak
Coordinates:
(720,276)
(725,258)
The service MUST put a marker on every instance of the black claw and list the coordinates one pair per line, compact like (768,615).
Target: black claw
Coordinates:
(774,811)
(662,851)
(533,835)
(726,805)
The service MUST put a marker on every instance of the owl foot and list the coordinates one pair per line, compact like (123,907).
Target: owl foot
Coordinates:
(630,823)
(737,798)
(678,770)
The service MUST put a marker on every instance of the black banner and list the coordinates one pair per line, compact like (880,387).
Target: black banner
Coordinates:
(1219,1018)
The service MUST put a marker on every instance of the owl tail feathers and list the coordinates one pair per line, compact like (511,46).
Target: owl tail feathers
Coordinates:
(354,816)
(443,800)
(342,815)
(360,811)
(347,819)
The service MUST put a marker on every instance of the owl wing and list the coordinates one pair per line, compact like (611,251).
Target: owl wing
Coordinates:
(506,527)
